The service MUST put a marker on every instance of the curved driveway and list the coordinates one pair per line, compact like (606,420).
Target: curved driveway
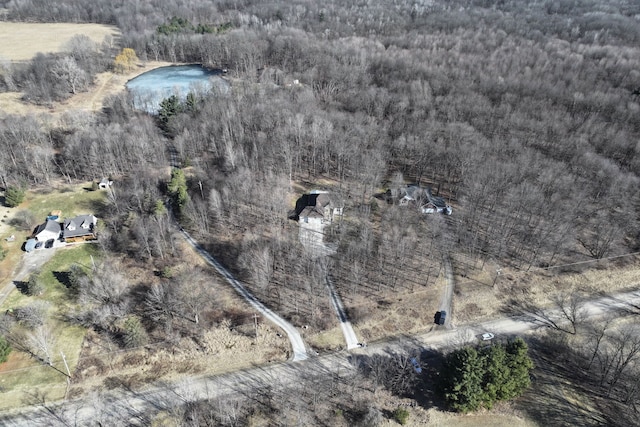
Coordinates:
(297,344)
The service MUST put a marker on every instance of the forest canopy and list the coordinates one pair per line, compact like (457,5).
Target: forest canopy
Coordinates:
(522,116)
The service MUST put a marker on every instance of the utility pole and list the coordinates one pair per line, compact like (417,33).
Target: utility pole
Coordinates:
(498,272)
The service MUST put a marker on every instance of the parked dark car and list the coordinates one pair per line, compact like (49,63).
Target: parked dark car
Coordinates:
(440,317)
(49,243)
(39,245)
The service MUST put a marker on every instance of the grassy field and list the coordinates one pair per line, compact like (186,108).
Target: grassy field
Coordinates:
(21,41)
(22,373)
(71,200)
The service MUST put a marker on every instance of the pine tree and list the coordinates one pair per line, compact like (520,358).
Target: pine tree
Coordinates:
(520,364)
(178,190)
(134,334)
(474,379)
(13,196)
(463,390)
(5,349)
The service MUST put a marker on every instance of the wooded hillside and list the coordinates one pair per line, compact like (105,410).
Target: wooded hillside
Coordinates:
(523,115)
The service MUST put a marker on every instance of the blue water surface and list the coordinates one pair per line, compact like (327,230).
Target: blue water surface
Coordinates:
(150,88)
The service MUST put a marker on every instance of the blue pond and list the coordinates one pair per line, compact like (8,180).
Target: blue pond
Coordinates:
(150,88)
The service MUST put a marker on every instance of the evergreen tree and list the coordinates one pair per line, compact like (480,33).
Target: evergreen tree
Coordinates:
(474,379)
(497,373)
(34,286)
(169,107)
(191,103)
(5,349)
(463,373)
(520,364)
(178,190)
(134,334)
(13,196)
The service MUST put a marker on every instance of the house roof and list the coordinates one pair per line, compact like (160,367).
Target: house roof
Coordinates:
(316,201)
(49,226)
(82,225)
(438,202)
(311,212)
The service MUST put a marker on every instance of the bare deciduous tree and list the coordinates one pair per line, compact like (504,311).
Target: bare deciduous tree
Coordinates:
(67,70)
(41,342)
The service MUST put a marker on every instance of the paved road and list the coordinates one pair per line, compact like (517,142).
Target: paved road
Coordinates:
(297,344)
(128,407)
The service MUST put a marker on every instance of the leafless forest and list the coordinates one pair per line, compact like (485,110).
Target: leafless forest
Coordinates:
(523,115)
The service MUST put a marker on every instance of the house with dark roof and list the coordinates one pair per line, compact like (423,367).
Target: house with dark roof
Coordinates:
(421,197)
(317,207)
(82,227)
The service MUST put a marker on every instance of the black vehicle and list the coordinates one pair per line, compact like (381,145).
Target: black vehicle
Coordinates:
(39,245)
(49,243)
(440,317)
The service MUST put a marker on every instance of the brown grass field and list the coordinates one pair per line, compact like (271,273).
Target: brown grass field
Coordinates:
(21,41)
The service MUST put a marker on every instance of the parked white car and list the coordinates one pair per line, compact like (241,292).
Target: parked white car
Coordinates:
(487,336)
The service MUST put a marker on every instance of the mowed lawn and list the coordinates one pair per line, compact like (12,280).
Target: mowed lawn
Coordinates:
(23,374)
(21,41)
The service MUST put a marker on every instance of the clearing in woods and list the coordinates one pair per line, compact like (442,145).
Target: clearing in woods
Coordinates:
(21,41)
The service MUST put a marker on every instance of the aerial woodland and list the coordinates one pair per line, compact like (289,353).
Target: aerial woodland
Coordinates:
(524,116)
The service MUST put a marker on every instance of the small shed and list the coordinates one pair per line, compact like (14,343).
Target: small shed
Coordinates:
(105,183)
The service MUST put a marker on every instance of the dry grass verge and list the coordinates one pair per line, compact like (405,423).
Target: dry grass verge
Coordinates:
(480,296)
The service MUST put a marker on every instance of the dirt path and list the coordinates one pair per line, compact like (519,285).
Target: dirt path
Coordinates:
(106,84)
(447,296)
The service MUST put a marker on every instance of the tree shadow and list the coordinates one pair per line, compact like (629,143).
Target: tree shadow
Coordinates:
(561,394)
(526,311)
(22,286)
(411,372)
(227,254)
(99,206)
(63,277)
